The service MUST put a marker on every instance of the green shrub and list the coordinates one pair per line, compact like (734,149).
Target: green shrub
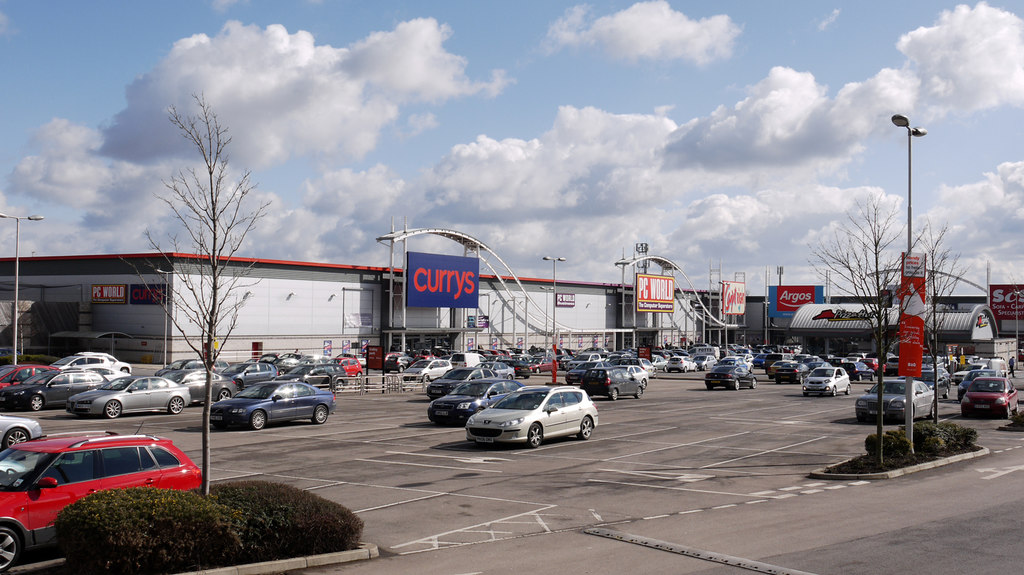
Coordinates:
(279,521)
(952,436)
(145,530)
(894,444)
(28,358)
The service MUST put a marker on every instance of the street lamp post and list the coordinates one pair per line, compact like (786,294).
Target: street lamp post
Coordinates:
(902,121)
(167,304)
(554,314)
(17,257)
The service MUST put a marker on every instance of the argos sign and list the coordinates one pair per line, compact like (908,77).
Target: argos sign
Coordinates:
(442,281)
(783,301)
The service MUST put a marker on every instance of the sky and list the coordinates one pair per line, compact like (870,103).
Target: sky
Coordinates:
(730,135)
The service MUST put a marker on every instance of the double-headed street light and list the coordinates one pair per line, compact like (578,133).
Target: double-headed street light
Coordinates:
(903,122)
(554,324)
(17,241)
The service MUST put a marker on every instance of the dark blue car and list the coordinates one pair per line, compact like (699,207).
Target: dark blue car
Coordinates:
(469,398)
(273,402)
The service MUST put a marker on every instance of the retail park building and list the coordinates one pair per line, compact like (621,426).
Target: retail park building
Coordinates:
(114,303)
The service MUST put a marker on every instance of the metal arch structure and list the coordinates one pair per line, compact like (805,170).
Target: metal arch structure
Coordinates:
(666,265)
(470,245)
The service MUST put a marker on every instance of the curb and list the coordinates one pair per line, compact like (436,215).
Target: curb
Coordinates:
(365,551)
(822,474)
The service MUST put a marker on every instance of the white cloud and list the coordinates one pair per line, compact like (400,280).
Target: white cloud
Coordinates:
(4,24)
(829,20)
(283,95)
(223,5)
(649,31)
(971,59)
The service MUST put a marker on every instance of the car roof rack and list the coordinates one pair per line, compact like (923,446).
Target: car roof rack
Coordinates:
(112,436)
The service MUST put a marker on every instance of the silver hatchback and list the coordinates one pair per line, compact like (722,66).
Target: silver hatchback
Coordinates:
(533,414)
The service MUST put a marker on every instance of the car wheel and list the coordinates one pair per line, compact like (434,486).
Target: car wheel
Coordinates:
(945,394)
(112,409)
(535,436)
(639,392)
(36,402)
(258,420)
(833,391)
(224,393)
(848,388)
(586,428)
(753,383)
(175,406)
(10,548)
(613,394)
(736,385)
(16,435)
(320,414)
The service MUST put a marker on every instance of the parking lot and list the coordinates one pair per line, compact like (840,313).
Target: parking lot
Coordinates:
(723,471)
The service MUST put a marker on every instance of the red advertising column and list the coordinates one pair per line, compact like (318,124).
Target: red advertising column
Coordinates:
(912,312)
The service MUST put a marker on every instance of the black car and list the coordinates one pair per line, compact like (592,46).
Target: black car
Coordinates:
(397,362)
(249,373)
(522,367)
(791,372)
(575,375)
(611,382)
(49,389)
(858,370)
(315,374)
(730,377)
(444,385)
(469,398)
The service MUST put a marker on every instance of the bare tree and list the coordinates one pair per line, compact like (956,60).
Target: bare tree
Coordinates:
(213,211)
(863,261)
(944,273)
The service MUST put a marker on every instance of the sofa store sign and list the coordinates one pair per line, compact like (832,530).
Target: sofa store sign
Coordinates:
(441,281)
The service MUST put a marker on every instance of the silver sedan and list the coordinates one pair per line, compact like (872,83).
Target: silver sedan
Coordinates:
(128,395)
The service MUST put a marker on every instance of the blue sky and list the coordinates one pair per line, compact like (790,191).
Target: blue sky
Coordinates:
(732,132)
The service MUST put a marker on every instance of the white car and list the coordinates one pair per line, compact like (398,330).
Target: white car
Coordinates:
(501,369)
(680,363)
(427,370)
(90,359)
(736,360)
(704,362)
(17,429)
(827,381)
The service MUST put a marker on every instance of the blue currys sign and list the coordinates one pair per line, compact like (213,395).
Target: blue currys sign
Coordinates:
(435,280)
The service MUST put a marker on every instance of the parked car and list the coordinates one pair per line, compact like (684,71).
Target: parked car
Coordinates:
(317,375)
(397,362)
(17,430)
(427,370)
(542,365)
(249,373)
(638,372)
(961,388)
(772,358)
(989,396)
(730,377)
(575,374)
(444,385)
(92,359)
(858,370)
(469,398)
(644,363)
(349,366)
(758,361)
(130,394)
(15,374)
(49,389)
(500,368)
(894,395)
(360,358)
(222,387)
(827,380)
(680,363)
(790,372)
(704,362)
(522,367)
(41,477)
(190,364)
(938,380)
(534,414)
(612,382)
(273,402)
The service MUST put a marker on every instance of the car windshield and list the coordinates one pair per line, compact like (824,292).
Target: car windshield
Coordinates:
(891,388)
(260,391)
(17,466)
(472,389)
(986,385)
(233,369)
(458,374)
(65,360)
(522,401)
(978,373)
(722,369)
(300,370)
(822,372)
(117,384)
(421,364)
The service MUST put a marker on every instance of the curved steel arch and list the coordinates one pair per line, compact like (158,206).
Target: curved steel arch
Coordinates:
(667,264)
(470,243)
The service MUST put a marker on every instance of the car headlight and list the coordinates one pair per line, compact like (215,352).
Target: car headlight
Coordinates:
(896,404)
(512,422)
(464,405)
(1001,401)
(84,401)
(18,393)
(862,402)
(236,410)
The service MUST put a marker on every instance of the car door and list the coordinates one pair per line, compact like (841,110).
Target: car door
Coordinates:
(304,402)
(136,396)
(77,475)
(554,420)
(283,407)
(58,389)
(572,407)
(922,398)
(128,466)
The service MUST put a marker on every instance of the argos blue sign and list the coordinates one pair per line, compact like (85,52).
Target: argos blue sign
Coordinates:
(442,281)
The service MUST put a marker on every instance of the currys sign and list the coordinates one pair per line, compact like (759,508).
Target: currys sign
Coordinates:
(442,281)
(783,301)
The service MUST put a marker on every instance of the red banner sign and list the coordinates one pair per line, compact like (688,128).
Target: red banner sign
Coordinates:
(912,312)
(1006,301)
(734,298)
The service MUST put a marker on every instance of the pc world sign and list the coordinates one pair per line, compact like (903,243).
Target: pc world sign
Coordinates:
(442,281)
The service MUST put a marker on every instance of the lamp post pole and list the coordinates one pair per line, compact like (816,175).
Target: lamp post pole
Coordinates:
(554,314)
(17,258)
(902,121)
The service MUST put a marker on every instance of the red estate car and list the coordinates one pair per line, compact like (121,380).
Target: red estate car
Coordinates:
(989,396)
(15,374)
(38,478)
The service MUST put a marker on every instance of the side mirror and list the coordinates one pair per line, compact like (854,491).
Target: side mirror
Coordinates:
(276,398)
(47,483)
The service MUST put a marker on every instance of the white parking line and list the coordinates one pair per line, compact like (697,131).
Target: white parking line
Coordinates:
(669,487)
(452,467)
(762,452)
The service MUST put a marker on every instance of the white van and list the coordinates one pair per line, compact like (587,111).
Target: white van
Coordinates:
(466,359)
(711,350)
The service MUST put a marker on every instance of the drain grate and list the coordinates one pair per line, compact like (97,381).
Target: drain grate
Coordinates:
(695,553)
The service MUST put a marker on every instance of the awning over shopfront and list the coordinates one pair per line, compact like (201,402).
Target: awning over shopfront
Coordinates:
(848,321)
